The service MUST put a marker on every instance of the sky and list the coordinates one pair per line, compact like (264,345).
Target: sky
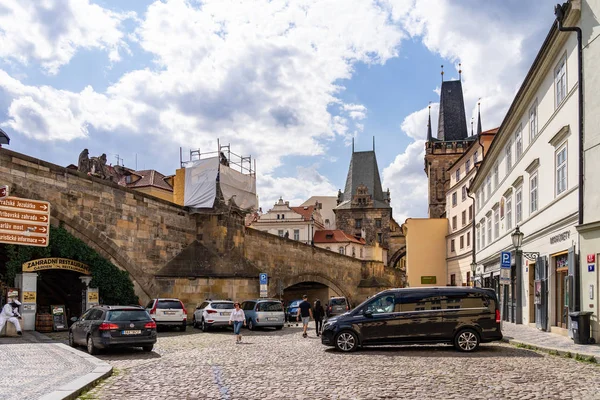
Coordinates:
(290,83)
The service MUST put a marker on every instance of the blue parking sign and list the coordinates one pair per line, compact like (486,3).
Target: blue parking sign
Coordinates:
(505,259)
(263,278)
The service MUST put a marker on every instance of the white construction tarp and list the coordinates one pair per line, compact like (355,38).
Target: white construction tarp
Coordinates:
(243,187)
(201,183)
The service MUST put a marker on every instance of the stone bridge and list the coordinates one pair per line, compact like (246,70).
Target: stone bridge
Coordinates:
(169,250)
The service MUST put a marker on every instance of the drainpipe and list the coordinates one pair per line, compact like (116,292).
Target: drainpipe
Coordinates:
(559,12)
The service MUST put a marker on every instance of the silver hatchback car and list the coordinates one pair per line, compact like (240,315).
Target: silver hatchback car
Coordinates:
(264,313)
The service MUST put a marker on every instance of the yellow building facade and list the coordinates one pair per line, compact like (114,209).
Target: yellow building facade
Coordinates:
(426,251)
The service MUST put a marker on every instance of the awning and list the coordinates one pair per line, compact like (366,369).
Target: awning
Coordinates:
(4,139)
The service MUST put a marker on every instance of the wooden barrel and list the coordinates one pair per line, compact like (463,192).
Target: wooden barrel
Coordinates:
(43,322)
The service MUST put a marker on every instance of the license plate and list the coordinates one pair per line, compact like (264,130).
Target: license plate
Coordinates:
(169,312)
(225,314)
(271,319)
(133,332)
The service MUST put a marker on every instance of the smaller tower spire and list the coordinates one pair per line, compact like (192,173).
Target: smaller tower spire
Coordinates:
(353,145)
(373,143)
(442,72)
(429,136)
(460,72)
(479,117)
(472,126)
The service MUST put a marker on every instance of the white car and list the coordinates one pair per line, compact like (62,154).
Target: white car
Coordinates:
(212,313)
(168,312)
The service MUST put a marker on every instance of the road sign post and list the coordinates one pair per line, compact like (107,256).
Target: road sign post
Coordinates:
(24,221)
(505,265)
(264,282)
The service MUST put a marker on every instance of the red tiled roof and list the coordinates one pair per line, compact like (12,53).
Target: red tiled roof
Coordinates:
(152,178)
(305,211)
(335,236)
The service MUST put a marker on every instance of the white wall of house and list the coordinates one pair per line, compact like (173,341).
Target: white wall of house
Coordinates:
(281,219)
(460,211)
(535,188)
(590,230)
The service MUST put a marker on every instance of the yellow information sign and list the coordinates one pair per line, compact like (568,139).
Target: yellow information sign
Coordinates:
(29,297)
(56,263)
(92,297)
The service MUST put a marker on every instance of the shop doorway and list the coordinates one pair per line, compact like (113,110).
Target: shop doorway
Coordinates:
(60,287)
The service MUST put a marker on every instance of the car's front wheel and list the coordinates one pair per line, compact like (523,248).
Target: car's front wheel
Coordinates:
(466,340)
(91,349)
(346,341)
(194,323)
(72,339)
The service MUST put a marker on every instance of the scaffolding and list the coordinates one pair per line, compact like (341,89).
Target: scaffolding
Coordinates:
(244,164)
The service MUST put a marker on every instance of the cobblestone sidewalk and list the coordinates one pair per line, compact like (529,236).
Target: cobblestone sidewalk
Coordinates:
(527,335)
(34,367)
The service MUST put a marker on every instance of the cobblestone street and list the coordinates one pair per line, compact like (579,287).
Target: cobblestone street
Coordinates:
(283,365)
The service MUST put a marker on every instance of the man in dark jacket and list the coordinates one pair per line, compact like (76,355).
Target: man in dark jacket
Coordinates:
(304,311)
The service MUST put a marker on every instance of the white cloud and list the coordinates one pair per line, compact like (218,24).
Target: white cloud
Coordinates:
(51,31)
(495,46)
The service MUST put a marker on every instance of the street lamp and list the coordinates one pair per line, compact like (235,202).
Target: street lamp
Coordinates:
(473,270)
(517,239)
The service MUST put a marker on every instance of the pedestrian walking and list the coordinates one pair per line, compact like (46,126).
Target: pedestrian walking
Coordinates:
(304,311)
(319,314)
(10,313)
(237,318)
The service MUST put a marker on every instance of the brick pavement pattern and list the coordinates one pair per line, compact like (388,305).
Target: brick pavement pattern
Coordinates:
(31,367)
(283,365)
(533,336)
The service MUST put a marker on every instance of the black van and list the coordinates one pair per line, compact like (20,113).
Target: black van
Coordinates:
(461,316)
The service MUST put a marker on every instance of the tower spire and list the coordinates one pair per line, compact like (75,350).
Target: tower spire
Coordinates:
(479,117)
(460,72)
(373,143)
(353,145)
(471,126)
(442,72)
(429,136)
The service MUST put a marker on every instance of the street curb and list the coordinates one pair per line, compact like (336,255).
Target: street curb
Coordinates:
(554,350)
(74,388)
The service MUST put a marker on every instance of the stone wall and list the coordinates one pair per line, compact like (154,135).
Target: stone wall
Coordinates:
(436,167)
(135,231)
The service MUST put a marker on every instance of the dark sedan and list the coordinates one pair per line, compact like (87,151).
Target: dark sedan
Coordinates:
(102,327)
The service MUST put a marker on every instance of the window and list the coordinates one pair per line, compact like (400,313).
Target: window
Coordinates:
(464,218)
(508,156)
(454,222)
(457,175)
(277,216)
(462,242)
(272,306)
(518,206)
(328,248)
(468,277)
(496,223)
(560,81)
(454,199)
(509,213)
(489,229)
(533,193)
(474,157)
(464,192)
(358,223)
(382,305)
(379,237)
(452,280)
(452,247)
(470,213)
(519,142)
(282,216)
(481,199)
(533,128)
(468,166)
(468,239)
(377,222)
(341,250)
(495,176)
(361,252)
(483,233)
(488,183)
(296,234)
(478,238)
(561,170)
(280,232)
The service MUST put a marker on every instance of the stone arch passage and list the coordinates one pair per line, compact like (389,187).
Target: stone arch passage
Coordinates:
(290,281)
(397,256)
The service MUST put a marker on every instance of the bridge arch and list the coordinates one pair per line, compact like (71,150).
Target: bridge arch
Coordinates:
(397,256)
(95,239)
(294,280)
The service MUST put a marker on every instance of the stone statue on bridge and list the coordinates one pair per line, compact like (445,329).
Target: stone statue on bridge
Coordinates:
(98,167)
(84,162)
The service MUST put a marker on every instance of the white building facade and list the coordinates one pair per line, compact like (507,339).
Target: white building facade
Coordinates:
(529,179)
(296,223)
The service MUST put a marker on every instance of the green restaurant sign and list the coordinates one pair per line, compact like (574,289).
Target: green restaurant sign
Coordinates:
(428,280)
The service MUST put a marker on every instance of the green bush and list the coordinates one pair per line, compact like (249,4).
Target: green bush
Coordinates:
(114,285)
